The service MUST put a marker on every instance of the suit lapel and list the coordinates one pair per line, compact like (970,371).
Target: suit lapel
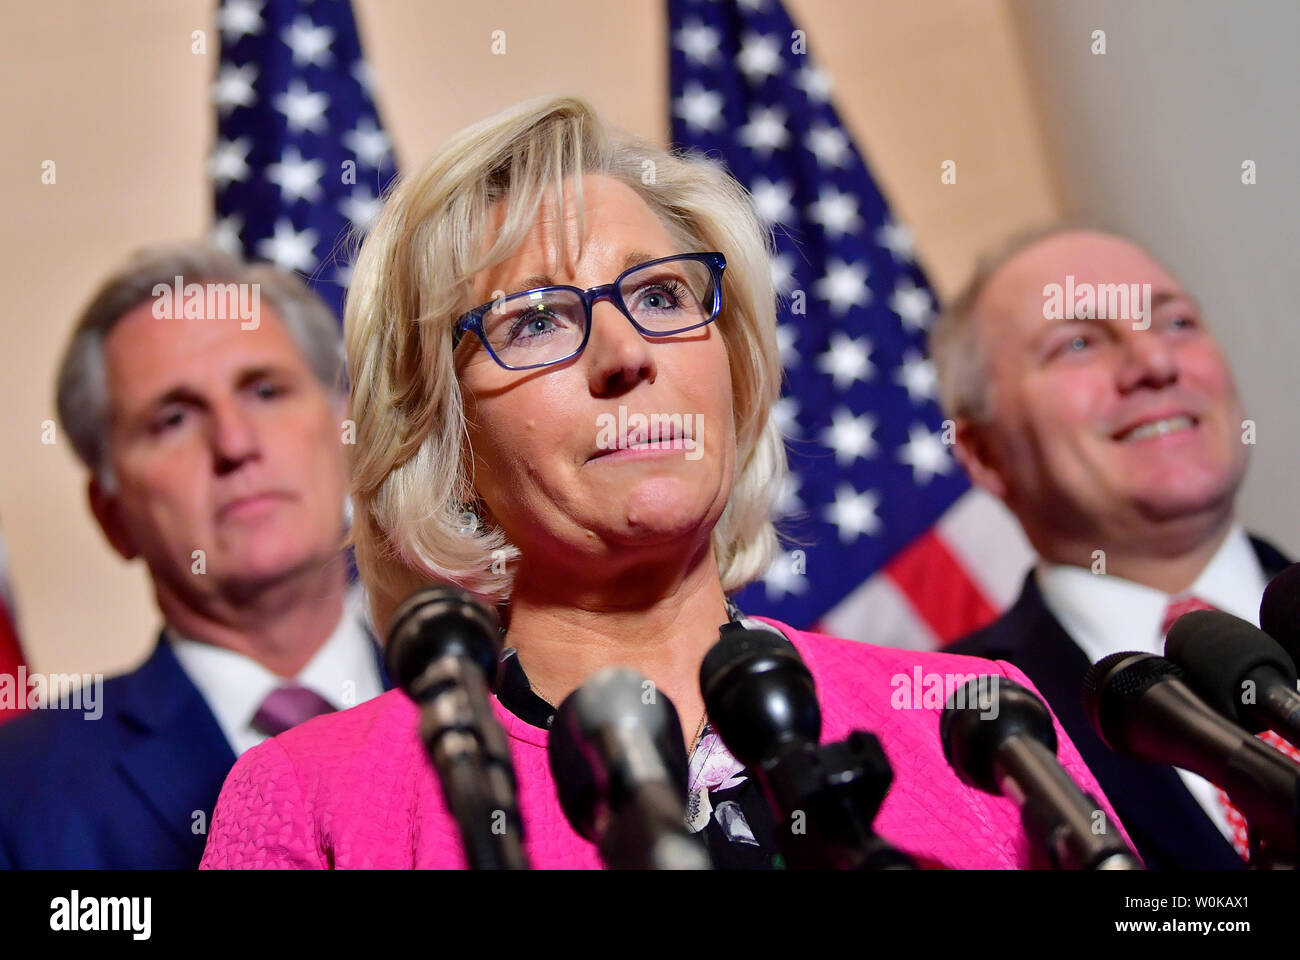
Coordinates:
(1271,558)
(180,757)
(384,681)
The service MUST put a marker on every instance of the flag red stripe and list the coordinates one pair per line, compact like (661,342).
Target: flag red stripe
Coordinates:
(937,585)
(11,655)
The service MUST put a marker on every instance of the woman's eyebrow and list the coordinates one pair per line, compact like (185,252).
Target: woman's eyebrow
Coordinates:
(530,283)
(633,259)
(636,258)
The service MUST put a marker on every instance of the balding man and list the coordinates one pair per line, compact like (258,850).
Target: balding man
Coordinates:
(1090,396)
(204,395)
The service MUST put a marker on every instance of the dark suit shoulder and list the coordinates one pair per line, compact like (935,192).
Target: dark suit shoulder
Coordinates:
(981,642)
(1007,636)
(33,738)
(57,754)
(93,787)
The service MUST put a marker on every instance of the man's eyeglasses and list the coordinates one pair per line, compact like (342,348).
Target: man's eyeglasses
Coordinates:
(549,325)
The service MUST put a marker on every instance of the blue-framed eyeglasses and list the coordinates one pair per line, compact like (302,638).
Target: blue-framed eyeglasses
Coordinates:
(549,325)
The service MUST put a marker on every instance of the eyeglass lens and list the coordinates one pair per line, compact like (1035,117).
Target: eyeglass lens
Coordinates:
(549,324)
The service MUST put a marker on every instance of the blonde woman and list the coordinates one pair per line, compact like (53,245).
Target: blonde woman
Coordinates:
(563,357)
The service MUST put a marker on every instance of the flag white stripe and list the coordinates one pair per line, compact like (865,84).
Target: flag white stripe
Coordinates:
(987,541)
(878,612)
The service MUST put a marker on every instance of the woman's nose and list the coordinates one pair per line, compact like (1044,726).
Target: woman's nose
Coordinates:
(618,357)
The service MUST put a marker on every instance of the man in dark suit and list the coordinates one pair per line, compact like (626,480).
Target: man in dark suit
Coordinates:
(204,396)
(1088,394)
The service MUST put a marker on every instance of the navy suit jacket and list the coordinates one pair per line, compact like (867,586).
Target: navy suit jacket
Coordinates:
(1167,825)
(134,788)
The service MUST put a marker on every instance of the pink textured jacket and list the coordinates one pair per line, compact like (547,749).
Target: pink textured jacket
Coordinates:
(355,788)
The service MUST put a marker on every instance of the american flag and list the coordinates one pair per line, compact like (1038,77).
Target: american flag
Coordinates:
(11,654)
(301,158)
(887,540)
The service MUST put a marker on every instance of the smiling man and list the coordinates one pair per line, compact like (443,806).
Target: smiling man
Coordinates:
(214,445)
(1117,438)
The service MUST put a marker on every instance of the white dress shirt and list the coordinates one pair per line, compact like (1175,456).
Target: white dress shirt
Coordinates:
(1106,614)
(344,671)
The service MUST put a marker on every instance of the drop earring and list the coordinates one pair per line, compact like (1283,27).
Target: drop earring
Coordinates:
(469,518)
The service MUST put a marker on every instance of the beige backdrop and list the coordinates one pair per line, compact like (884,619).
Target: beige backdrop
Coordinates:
(113,95)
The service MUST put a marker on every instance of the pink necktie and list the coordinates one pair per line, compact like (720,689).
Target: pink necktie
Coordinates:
(288,706)
(1240,834)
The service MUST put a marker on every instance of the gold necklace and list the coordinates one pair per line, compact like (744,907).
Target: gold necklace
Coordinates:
(698,733)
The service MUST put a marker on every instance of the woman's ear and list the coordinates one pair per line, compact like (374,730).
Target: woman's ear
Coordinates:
(974,450)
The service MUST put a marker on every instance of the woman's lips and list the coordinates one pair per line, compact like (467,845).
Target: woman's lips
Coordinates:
(644,451)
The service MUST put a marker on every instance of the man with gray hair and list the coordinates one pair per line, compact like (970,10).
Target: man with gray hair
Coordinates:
(206,398)
(1089,395)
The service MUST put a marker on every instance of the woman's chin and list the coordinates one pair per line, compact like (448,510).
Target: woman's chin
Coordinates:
(664,512)
(658,534)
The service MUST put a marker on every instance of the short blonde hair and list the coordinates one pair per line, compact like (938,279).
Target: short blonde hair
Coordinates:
(411,468)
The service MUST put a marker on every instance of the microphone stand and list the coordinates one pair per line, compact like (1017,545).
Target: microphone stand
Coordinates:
(838,788)
(1056,814)
(469,751)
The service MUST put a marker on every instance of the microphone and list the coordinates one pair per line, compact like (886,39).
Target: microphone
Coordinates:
(443,649)
(1279,610)
(1240,671)
(619,764)
(1011,752)
(1141,707)
(761,699)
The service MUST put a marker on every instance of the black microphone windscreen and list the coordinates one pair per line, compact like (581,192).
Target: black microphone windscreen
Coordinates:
(736,646)
(434,622)
(1216,651)
(759,694)
(980,716)
(573,772)
(1279,610)
(589,779)
(1113,684)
